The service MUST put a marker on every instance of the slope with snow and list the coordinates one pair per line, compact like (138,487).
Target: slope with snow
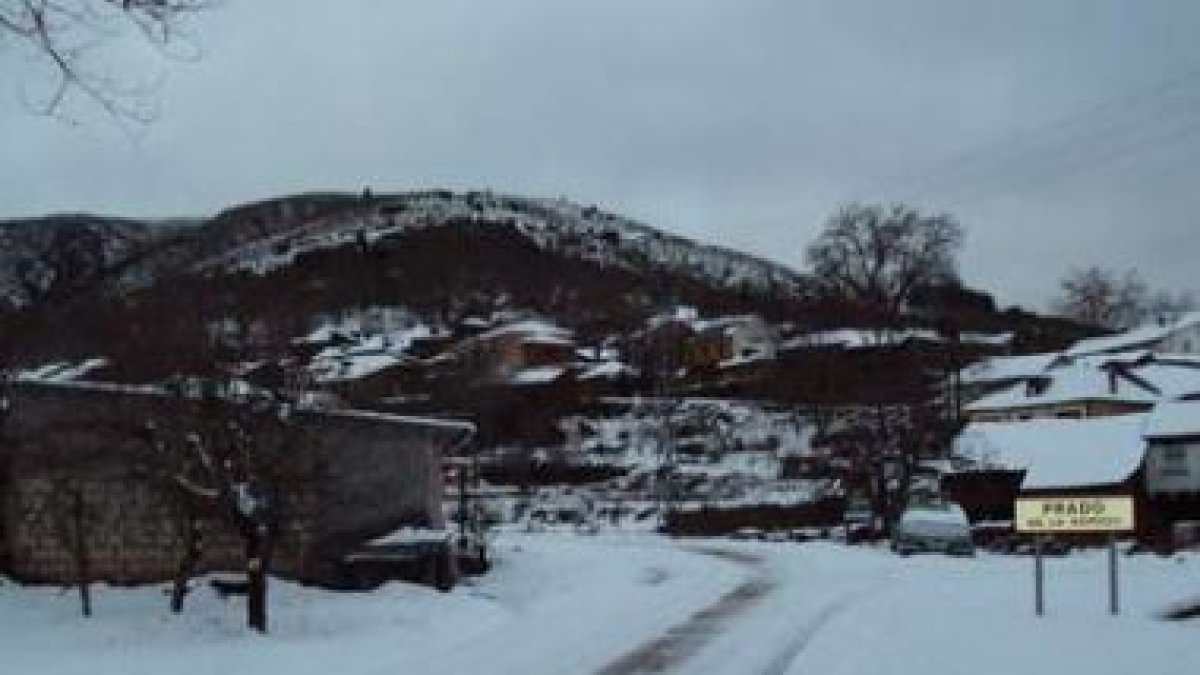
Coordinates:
(586,233)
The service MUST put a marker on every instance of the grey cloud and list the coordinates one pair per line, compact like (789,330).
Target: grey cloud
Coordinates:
(743,123)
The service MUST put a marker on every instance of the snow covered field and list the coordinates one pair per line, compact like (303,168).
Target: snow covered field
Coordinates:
(638,603)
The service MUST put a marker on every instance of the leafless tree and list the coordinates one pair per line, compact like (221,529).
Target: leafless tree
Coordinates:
(1115,300)
(66,34)
(69,467)
(1168,306)
(877,257)
(237,463)
(1102,297)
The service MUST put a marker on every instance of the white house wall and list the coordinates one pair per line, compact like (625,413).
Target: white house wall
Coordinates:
(1185,340)
(1167,475)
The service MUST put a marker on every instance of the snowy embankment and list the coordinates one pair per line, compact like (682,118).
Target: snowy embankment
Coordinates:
(948,616)
(554,604)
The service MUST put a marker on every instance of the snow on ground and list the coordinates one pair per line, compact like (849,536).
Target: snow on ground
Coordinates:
(952,616)
(554,604)
(860,611)
(560,603)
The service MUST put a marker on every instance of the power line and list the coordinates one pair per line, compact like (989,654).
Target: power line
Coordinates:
(1031,141)
(1093,163)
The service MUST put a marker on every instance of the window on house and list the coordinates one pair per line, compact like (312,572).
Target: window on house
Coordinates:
(1037,386)
(1174,462)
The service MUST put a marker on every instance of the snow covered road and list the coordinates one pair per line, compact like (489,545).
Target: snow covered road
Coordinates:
(620,604)
(857,611)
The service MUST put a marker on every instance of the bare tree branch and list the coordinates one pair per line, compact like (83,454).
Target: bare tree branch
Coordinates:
(877,257)
(65,34)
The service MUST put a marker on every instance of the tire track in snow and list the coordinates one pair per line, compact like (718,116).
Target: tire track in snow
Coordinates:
(685,639)
(674,649)
(786,659)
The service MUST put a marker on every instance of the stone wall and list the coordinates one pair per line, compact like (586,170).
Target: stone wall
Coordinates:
(365,475)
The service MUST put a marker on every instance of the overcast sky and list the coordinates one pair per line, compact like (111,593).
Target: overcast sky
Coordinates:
(1060,133)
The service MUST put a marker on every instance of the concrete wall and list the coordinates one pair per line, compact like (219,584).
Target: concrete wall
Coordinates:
(352,476)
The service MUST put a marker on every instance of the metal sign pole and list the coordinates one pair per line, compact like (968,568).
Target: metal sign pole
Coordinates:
(1114,606)
(1038,579)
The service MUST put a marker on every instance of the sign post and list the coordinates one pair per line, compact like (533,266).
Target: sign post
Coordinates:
(1039,579)
(1114,604)
(1079,515)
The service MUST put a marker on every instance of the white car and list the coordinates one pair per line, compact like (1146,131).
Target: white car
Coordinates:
(935,528)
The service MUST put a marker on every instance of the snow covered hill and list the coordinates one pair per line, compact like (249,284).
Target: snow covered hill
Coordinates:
(271,235)
(41,257)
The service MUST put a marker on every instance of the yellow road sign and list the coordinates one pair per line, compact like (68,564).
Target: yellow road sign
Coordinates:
(1074,514)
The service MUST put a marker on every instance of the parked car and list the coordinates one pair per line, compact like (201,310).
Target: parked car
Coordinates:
(934,528)
(748,533)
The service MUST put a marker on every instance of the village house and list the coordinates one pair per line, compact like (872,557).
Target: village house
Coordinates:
(666,347)
(1000,461)
(1153,457)
(1173,455)
(1172,469)
(529,351)
(680,343)
(741,339)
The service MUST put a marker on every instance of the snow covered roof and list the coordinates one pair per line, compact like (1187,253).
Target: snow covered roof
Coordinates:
(1173,419)
(727,323)
(62,371)
(1142,378)
(367,355)
(1083,381)
(1173,380)
(460,426)
(1059,453)
(859,338)
(531,328)
(990,339)
(412,535)
(681,313)
(537,375)
(607,369)
(325,333)
(1132,339)
(548,340)
(352,367)
(1001,368)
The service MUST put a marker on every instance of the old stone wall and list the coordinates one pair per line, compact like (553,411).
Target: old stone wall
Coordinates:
(363,475)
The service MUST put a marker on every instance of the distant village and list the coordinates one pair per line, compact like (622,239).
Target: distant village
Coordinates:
(672,428)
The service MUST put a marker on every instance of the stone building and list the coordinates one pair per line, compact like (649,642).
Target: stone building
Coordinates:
(77,454)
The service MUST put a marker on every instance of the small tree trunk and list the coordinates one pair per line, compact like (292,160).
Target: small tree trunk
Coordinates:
(187,565)
(82,571)
(258,555)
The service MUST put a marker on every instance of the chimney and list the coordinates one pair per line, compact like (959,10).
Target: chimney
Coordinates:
(1112,380)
